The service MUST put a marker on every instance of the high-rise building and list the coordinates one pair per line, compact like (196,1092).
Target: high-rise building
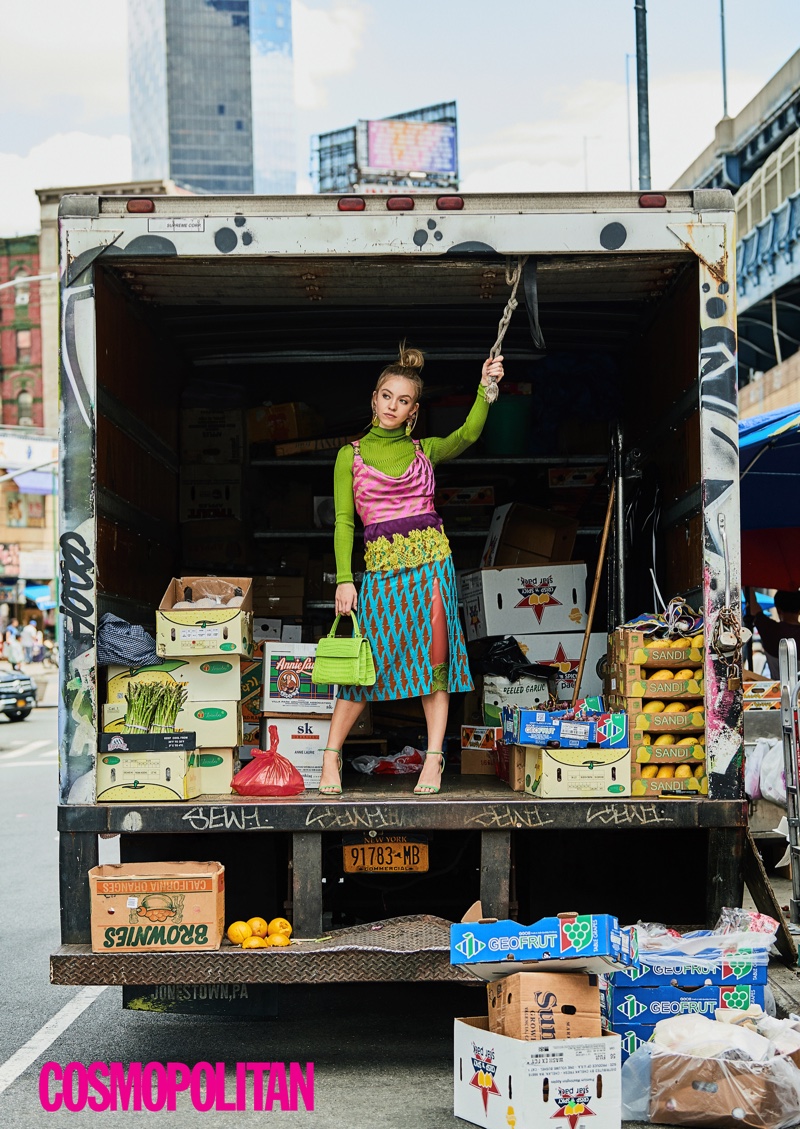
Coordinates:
(211,94)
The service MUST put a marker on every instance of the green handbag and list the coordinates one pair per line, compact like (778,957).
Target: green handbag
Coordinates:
(344,662)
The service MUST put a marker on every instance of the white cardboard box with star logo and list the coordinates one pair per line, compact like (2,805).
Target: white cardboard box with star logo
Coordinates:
(524,600)
(563,651)
(500,1082)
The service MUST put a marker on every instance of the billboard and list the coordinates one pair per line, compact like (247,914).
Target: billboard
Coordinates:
(396,145)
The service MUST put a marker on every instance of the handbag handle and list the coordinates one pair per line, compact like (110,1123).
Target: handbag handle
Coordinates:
(356,628)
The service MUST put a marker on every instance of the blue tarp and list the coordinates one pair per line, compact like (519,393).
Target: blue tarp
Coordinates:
(40,595)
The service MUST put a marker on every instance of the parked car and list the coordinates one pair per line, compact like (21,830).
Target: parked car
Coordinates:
(17,695)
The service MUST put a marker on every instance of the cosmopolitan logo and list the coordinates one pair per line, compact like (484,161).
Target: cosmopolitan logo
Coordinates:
(525,941)
(300,666)
(154,1086)
(145,935)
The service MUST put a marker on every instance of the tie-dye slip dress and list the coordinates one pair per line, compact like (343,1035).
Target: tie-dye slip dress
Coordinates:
(408,605)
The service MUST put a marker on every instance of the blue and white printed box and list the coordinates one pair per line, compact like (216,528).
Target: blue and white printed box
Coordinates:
(586,942)
(626,1007)
(539,727)
(741,967)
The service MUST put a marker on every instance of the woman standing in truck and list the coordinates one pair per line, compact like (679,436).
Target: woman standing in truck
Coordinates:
(408,605)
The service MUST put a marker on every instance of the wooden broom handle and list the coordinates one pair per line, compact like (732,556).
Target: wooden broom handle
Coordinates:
(595,588)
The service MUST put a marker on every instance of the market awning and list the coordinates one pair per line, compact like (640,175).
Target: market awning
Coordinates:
(34,481)
(769,468)
(40,595)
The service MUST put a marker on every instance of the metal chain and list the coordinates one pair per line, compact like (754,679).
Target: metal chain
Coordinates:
(513,277)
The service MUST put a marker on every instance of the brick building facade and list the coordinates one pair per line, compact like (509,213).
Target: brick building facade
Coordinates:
(20,335)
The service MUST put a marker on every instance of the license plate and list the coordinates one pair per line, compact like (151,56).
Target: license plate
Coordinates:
(385,854)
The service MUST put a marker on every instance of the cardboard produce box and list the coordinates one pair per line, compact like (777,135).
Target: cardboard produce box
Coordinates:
(540,727)
(530,693)
(509,765)
(135,778)
(644,785)
(210,435)
(210,493)
(501,1082)
(205,630)
(277,423)
(563,653)
(278,597)
(477,762)
(215,770)
(648,752)
(692,1091)
(287,681)
(577,773)
(520,600)
(214,679)
(631,681)
(216,724)
(738,967)
(141,906)
(567,943)
(301,741)
(545,1005)
(313,446)
(523,535)
(481,736)
(626,645)
(147,742)
(623,1005)
(691,720)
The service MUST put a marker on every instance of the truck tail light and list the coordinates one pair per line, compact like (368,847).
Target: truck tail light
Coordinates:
(653,200)
(400,203)
(140,204)
(450,203)
(351,204)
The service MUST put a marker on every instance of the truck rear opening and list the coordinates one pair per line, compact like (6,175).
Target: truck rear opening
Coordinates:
(235,302)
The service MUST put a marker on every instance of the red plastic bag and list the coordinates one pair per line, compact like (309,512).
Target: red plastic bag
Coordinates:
(268,774)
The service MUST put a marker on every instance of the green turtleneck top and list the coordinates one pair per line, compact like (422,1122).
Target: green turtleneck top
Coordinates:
(391,453)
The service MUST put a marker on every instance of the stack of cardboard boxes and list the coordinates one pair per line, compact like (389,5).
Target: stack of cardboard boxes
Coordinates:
(660,683)
(202,646)
(296,712)
(541,1045)
(211,490)
(633,1000)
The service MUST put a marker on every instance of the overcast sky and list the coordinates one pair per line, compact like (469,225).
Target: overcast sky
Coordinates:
(532,79)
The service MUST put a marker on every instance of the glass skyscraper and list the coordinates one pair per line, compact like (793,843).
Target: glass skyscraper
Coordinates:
(211,93)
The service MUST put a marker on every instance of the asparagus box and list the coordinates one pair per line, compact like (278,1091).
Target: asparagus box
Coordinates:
(147,742)
(146,777)
(212,630)
(217,724)
(136,906)
(204,679)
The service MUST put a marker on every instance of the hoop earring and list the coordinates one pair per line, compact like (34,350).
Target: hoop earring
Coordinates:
(411,425)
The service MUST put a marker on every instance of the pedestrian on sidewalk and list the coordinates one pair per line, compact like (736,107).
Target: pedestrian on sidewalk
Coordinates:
(28,640)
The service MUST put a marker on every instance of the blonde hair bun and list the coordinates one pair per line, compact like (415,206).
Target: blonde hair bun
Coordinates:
(411,358)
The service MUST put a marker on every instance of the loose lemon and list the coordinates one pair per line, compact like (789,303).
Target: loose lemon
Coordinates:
(277,941)
(239,931)
(662,676)
(654,707)
(648,771)
(258,926)
(279,925)
(254,943)
(675,707)
(683,771)
(665,772)
(684,675)
(665,739)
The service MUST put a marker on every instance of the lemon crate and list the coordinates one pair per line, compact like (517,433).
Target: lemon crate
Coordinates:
(655,785)
(626,646)
(692,719)
(635,681)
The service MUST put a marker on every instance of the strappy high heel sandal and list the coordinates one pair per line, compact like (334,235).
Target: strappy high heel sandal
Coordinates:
(432,789)
(332,789)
